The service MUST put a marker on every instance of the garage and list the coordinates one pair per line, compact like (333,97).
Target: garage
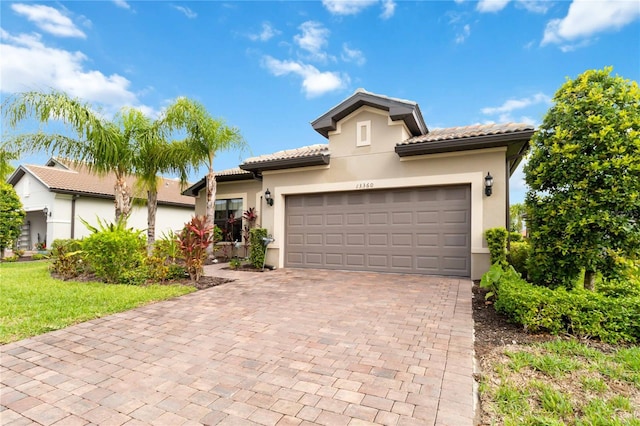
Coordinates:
(423,230)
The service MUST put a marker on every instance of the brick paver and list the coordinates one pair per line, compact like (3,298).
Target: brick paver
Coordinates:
(287,347)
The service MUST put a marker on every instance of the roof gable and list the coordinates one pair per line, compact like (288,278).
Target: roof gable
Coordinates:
(399,109)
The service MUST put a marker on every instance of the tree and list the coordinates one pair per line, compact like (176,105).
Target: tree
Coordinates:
(155,155)
(584,180)
(516,215)
(5,166)
(11,216)
(103,145)
(205,137)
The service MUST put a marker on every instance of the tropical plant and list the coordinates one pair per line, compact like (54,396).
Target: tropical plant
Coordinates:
(194,239)
(102,145)
(584,177)
(206,136)
(250,217)
(114,252)
(67,258)
(11,216)
(258,248)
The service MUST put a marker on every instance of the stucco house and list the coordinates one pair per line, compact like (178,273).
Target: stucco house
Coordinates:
(60,193)
(384,194)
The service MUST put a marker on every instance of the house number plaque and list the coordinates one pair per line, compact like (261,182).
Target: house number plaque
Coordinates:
(364,185)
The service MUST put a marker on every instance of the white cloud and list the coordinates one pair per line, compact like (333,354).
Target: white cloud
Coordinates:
(187,12)
(352,55)
(491,5)
(48,19)
(347,7)
(353,7)
(536,6)
(462,36)
(588,17)
(314,82)
(515,104)
(388,9)
(28,64)
(122,4)
(267,33)
(313,39)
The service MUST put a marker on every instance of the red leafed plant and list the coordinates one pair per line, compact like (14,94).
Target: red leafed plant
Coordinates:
(194,239)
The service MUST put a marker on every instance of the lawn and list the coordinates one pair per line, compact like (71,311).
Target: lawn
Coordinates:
(33,303)
(561,382)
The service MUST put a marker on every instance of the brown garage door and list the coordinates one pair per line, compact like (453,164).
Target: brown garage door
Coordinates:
(410,230)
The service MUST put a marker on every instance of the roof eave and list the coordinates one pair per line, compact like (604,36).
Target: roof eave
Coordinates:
(287,163)
(195,189)
(407,112)
(464,144)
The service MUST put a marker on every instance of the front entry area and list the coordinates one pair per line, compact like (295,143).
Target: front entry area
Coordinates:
(423,230)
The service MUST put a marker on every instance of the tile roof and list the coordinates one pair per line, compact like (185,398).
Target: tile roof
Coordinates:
(305,151)
(78,180)
(462,132)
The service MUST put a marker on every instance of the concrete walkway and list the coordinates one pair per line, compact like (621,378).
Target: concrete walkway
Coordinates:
(287,347)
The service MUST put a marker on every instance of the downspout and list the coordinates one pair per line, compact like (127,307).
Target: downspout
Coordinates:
(73,215)
(508,210)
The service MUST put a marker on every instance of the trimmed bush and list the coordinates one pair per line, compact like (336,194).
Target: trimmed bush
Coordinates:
(515,236)
(578,312)
(518,256)
(115,253)
(257,249)
(497,242)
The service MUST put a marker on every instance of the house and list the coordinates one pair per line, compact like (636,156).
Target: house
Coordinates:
(60,193)
(384,194)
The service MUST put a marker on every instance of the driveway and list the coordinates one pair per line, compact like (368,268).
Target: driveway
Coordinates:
(287,347)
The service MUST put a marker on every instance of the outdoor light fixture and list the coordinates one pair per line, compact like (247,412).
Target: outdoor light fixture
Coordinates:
(488,184)
(267,197)
(45,211)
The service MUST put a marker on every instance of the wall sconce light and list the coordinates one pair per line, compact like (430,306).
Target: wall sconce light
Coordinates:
(46,212)
(267,197)
(488,184)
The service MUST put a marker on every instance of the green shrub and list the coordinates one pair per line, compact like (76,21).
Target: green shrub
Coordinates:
(257,249)
(167,247)
(39,256)
(515,237)
(67,258)
(497,242)
(12,258)
(115,252)
(176,272)
(578,312)
(518,256)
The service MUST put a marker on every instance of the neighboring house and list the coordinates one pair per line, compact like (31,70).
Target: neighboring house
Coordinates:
(56,196)
(385,194)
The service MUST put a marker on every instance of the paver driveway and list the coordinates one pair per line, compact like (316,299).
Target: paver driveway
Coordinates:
(285,347)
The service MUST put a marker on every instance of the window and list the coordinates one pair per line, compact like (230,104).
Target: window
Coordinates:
(363,136)
(228,217)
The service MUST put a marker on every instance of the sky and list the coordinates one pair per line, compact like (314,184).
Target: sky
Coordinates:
(269,68)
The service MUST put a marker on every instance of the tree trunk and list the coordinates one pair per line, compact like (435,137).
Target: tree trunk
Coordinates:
(211,203)
(152,209)
(122,199)
(589,280)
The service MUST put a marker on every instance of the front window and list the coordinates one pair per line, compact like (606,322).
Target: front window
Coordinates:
(228,217)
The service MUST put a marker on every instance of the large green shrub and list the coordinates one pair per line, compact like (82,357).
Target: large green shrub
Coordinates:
(116,253)
(11,216)
(577,312)
(497,242)
(257,248)
(67,258)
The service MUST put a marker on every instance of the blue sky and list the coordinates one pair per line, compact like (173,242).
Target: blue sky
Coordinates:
(269,68)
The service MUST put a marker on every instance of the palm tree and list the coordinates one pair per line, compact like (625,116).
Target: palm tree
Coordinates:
(155,155)
(103,145)
(205,137)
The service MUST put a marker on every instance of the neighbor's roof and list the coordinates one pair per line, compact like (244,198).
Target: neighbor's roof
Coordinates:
(78,180)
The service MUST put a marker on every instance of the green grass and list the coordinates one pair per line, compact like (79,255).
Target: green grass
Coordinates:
(33,303)
(563,382)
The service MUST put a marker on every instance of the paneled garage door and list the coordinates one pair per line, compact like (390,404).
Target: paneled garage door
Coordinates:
(410,230)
